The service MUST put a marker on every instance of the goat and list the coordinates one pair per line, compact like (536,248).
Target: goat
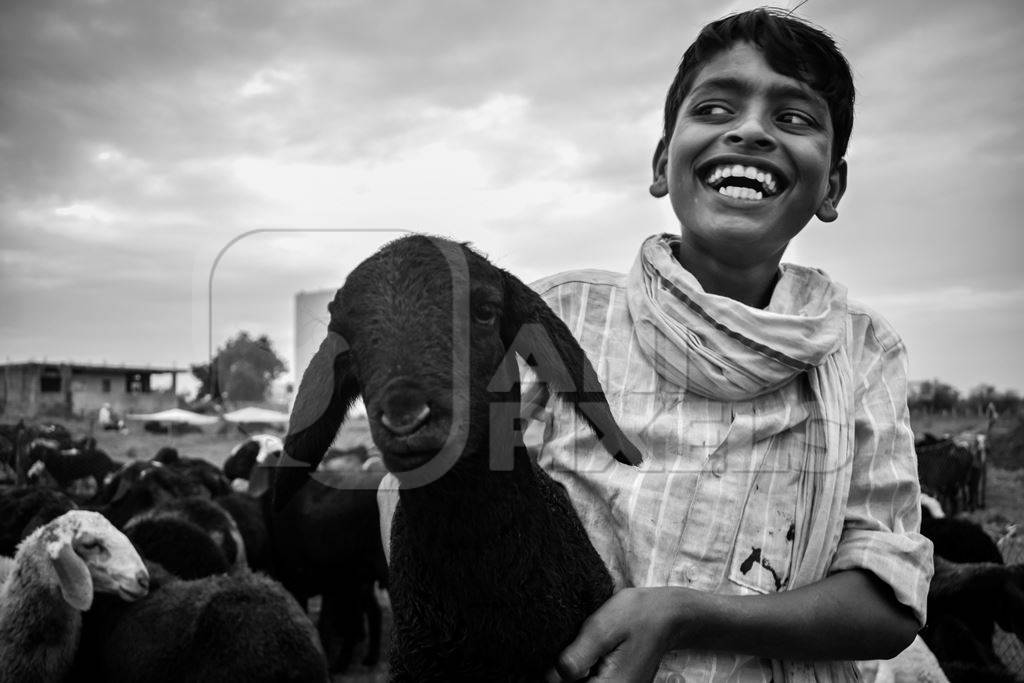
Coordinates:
(492,572)
(55,573)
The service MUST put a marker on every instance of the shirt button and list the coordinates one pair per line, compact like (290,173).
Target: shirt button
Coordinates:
(718,467)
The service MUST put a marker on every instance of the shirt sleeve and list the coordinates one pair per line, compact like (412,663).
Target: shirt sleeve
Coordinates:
(881,531)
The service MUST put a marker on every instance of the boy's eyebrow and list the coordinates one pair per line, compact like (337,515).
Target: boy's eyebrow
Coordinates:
(745,87)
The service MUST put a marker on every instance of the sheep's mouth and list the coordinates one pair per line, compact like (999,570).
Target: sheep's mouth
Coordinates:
(131,595)
(740,181)
(405,452)
(403,462)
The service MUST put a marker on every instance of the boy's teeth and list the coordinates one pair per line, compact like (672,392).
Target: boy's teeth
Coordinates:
(766,179)
(740,192)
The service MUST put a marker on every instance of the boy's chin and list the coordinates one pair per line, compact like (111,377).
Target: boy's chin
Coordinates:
(740,235)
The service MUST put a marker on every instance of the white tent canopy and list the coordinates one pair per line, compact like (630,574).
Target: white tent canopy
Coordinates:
(176,416)
(253,415)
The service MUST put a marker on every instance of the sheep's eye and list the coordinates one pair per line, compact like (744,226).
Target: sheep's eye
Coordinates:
(92,545)
(485,314)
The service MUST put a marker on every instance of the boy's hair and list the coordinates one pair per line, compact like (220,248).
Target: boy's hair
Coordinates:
(791,46)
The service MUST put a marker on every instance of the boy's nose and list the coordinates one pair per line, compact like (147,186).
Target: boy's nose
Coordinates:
(751,131)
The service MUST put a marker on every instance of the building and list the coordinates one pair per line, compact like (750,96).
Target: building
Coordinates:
(311,318)
(57,389)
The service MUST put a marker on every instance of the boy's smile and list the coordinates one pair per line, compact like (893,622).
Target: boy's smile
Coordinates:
(749,160)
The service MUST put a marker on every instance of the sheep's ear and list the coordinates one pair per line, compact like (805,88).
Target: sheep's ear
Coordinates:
(123,486)
(531,329)
(73,575)
(327,390)
(259,477)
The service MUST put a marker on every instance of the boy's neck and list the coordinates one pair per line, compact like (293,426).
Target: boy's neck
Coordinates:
(751,284)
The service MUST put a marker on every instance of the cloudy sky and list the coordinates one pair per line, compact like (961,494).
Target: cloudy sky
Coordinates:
(140,139)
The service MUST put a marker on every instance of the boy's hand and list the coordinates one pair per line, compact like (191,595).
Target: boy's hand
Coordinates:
(625,639)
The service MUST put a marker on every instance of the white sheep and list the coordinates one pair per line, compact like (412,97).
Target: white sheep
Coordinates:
(6,567)
(54,575)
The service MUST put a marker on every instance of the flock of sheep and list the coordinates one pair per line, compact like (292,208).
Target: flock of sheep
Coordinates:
(167,572)
(150,580)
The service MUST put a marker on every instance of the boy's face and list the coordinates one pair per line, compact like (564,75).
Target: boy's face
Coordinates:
(749,161)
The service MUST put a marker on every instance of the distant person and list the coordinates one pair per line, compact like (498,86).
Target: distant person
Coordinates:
(991,414)
(108,420)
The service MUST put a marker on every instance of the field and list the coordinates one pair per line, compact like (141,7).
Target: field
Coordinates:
(213,444)
(1005,494)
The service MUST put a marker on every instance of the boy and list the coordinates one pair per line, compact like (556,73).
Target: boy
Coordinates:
(771,533)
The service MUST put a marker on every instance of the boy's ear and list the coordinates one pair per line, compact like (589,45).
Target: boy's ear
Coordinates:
(659,186)
(829,209)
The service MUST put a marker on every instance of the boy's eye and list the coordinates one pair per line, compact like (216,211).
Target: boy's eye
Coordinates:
(711,110)
(795,118)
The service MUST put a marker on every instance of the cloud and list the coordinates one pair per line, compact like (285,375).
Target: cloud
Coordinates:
(952,299)
(139,137)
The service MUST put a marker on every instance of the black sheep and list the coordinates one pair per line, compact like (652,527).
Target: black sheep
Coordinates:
(958,540)
(241,461)
(491,572)
(23,509)
(208,516)
(179,546)
(251,518)
(327,542)
(231,627)
(71,465)
(140,486)
(965,603)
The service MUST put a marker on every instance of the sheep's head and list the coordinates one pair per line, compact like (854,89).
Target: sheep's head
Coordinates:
(89,554)
(428,331)
(139,486)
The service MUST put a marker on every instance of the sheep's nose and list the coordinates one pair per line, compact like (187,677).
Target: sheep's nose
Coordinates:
(404,407)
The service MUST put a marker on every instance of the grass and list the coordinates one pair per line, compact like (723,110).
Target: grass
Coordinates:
(212,443)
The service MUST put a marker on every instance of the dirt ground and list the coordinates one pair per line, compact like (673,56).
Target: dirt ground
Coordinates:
(213,443)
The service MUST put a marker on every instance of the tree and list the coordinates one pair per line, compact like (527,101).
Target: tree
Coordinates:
(933,396)
(979,397)
(945,398)
(242,369)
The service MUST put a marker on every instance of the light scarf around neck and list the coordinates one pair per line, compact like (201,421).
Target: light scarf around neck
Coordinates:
(724,350)
(720,348)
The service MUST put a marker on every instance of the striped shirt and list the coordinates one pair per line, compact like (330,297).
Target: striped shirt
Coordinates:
(725,525)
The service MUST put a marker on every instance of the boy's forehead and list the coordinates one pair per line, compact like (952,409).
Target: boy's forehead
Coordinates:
(743,67)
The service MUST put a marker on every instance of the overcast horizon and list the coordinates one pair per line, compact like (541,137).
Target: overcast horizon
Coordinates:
(139,138)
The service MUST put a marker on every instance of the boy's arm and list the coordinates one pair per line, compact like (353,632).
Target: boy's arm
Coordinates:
(848,615)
